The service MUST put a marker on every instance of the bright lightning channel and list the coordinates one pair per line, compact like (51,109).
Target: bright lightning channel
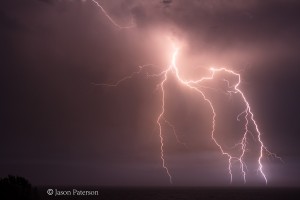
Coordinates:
(194,85)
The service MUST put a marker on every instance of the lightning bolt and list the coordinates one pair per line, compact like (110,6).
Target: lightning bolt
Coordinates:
(173,70)
(194,85)
(131,25)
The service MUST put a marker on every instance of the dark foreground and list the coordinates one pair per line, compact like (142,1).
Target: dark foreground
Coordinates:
(171,193)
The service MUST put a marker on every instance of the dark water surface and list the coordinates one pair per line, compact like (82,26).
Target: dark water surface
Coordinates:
(175,193)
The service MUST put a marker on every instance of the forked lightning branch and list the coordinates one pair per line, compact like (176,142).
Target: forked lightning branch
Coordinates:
(248,116)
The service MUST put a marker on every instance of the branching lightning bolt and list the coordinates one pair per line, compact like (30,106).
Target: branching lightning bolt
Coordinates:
(194,85)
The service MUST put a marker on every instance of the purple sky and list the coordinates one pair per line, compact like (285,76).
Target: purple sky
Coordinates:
(58,127)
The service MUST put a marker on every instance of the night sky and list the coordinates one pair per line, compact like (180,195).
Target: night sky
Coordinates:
(59,126)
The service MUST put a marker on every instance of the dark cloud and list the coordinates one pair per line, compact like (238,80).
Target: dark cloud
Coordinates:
(251,29)
(47,1)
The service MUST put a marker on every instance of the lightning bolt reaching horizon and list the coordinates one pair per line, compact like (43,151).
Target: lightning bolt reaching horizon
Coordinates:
(194,85)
